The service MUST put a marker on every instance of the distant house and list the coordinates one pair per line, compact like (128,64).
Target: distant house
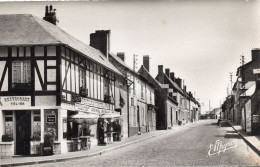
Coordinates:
(184,108)
(215,113)
(245,90)
(141,115)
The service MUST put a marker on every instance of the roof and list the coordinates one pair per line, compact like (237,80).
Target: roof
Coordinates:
(26,29)
(174,84)
(143,70)
(119,60)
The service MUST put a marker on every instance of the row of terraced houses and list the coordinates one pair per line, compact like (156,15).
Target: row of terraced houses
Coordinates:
(242,105)
(50,80)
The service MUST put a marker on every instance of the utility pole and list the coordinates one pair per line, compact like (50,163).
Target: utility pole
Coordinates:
(231,75)
(227,90)
(135,58)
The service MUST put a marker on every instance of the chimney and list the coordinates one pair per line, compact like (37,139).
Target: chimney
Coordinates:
(172,76)
(121,55)
(179,82)
(167,72)
(146,62)
(160,76)
(184,88)
(101,41)
(160,69)
(255,54)
(50,15)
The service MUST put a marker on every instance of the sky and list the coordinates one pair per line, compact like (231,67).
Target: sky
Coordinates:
(200,40)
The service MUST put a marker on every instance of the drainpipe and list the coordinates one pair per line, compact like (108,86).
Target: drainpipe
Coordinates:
(128,126)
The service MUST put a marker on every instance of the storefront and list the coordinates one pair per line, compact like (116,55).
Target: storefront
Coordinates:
(85,118)
(24,126)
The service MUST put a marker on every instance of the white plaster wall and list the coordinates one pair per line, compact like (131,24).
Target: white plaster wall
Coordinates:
(3,52)
(45,100)
(51,51)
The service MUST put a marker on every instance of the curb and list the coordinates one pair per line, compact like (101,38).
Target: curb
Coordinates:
(88,155)
(257,151)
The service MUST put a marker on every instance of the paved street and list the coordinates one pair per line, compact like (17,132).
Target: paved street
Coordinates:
(183,148)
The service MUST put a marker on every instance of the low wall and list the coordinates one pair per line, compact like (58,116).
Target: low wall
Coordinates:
(6,149)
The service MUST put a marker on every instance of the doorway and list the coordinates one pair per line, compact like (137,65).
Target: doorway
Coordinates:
(138,120)
(23,132)
(171,118)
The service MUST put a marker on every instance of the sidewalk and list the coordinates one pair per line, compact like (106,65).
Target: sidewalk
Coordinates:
(96,150)
(252,141)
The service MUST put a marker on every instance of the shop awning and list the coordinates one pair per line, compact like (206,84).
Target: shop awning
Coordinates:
(110,116)
(84,116)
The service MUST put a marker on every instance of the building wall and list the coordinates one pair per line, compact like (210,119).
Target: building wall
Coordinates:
(171,114)
(121,92)
(55,81)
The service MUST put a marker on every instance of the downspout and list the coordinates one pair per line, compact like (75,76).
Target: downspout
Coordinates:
(128,126)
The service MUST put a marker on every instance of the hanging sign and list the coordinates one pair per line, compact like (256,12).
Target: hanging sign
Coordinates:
(8,101)
(50,118)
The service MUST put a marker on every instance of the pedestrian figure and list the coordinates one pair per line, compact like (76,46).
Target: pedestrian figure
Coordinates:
(101,133)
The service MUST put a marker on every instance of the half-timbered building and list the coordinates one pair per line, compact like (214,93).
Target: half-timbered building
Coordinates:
(49,79)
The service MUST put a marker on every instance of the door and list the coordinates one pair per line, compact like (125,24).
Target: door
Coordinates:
(171,118)
(138,120)
(23,132)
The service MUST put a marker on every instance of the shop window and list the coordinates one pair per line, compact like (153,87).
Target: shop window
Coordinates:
(21,74)
(36,134)
(9,129)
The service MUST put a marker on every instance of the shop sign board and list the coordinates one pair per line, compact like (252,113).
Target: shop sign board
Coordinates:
(10,101)
(51,118)
(93,110)
(93,103)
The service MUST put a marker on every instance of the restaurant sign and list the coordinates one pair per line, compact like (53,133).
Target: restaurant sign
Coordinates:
(8,101)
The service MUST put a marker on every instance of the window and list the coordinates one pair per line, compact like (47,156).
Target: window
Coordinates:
(82,76)
(9,124)
(132,101)
(150,96)
(142,91)
(37,125)
(21,74)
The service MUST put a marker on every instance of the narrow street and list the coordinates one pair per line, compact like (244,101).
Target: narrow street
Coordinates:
(188,147)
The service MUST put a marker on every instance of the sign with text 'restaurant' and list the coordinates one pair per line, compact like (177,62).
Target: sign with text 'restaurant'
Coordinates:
(8,101)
